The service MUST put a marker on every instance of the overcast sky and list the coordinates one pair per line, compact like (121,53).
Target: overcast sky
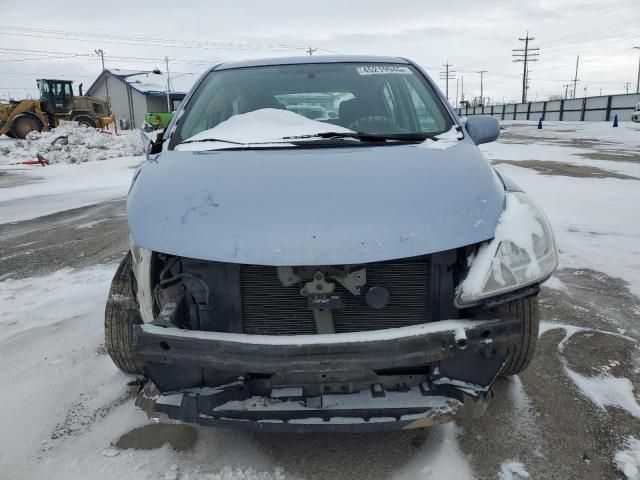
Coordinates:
(472,35)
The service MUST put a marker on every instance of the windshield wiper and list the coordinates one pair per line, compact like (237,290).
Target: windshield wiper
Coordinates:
(370,137)
(210,140)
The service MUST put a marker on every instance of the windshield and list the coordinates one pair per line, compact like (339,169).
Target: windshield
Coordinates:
(382,99)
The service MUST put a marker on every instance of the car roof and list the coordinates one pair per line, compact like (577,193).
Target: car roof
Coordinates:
(307,59)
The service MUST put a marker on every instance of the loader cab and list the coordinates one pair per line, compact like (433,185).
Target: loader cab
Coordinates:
(56,96)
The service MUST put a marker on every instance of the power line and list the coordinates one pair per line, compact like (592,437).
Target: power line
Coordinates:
(525,55)
(600,18)
(149,41)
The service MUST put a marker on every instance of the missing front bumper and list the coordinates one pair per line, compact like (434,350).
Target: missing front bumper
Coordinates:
(406,377)
(364,411)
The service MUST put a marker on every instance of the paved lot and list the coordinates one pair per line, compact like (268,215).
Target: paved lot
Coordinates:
(540,418)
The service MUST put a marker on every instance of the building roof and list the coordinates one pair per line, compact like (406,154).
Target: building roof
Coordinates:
(143,81)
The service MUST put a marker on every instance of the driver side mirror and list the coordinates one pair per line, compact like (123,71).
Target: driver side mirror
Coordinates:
(482,128)
(152,142)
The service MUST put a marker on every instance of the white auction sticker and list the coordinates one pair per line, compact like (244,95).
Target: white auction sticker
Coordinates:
(383,70)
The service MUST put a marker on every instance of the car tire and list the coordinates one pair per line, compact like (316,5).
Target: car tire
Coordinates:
(85,121)
(10,134)
(120,315)
(23,124)
(520,353)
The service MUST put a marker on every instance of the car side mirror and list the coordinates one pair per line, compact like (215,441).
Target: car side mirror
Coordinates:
(482,128)
(152,142)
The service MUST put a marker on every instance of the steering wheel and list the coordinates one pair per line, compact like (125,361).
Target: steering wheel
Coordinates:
(375,123)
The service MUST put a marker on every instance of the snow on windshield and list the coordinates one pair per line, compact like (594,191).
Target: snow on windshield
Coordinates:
(265,125)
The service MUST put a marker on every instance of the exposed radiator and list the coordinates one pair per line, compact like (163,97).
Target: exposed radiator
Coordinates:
(269,308)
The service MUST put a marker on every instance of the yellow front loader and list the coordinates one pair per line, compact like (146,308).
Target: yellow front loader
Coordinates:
(56,103)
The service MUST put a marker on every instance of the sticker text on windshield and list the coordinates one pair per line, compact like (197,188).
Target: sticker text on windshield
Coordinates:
(383,70)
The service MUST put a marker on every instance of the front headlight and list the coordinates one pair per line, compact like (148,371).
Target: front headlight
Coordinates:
(522,252)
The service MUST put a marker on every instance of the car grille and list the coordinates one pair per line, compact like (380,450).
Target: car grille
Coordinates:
(269,308)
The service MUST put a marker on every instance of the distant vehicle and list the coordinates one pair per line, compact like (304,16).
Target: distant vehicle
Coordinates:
(56,103)
(157,120)
(635,116)
(160,120)
(367,272)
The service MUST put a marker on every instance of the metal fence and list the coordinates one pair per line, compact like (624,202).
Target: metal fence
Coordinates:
(589,109)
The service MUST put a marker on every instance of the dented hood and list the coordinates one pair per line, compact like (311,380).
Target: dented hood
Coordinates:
(316,206)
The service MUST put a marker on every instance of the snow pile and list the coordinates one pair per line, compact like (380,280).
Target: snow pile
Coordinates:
(628,460)
(512,470)
(70,143)
(260,126)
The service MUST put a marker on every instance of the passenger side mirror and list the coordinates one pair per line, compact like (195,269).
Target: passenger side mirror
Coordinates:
(482,128)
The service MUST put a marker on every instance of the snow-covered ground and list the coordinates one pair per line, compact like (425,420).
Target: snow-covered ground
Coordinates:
(35,191)
(64,403)
(87,168)
(595,220)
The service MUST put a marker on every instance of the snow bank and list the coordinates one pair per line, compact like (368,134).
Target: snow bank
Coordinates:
(628,460)
(70,143)
(260,126)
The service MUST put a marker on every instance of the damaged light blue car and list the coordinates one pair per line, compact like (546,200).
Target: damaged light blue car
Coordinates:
(318,244)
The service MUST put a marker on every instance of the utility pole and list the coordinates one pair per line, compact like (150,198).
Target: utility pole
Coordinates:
(462,89)
(626,86)
(166,61)
(566,89)
(311,51)
(447,75)
(638,80)
(100,52)
(457,85)
(481,72)
(525,55)
(575,79)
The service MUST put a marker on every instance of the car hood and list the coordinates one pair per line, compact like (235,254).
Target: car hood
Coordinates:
(315,206)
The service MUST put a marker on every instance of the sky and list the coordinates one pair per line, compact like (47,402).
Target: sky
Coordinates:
(58,40)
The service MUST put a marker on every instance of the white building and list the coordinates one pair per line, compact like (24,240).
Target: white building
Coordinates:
(133,93)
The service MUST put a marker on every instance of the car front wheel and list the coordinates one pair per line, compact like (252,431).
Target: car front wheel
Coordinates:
(121,314)
(520,353)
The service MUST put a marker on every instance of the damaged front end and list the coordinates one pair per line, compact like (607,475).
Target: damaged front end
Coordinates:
(323,348)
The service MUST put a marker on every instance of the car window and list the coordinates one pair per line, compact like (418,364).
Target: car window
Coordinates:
(366,98)
(422,112)
(390,102)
